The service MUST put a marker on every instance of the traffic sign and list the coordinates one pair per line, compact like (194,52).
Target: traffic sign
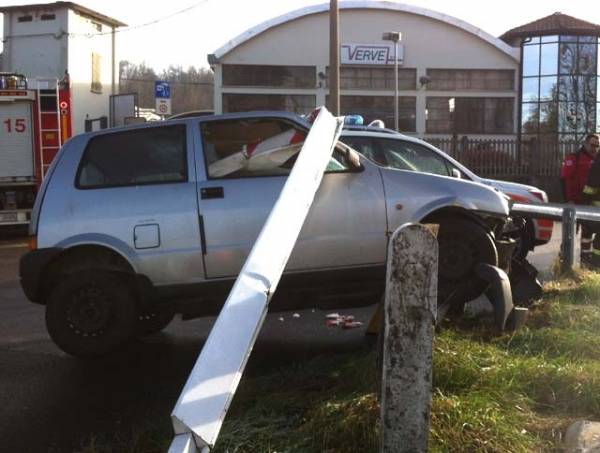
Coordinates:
(163,106)
(162,89)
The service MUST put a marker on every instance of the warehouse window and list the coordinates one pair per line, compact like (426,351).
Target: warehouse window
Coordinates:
(48,17)
(466,115)
(381,108)
(96,73)
(27,18)
(361,78)
(269,76)
(301,104)
(471,79)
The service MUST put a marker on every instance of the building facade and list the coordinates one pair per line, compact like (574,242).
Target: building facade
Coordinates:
(454,78)
(63,38)
(559,77)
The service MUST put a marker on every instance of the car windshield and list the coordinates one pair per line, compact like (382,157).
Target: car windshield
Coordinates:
(402,155)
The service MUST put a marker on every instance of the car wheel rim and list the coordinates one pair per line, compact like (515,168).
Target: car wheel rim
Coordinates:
(456,260)
(89,311)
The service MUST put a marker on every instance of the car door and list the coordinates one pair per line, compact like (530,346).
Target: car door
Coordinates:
(346,226)
(135,189)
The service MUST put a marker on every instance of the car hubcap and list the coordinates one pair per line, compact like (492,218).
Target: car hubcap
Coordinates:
(456,260)
(89,311)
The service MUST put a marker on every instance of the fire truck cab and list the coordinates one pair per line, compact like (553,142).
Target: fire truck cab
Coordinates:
(34,123)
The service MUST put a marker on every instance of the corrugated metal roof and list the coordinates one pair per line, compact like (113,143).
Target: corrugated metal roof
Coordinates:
(554,24)
(70,5)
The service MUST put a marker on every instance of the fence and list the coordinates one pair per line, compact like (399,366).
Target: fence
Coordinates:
(510,158)
(569,215)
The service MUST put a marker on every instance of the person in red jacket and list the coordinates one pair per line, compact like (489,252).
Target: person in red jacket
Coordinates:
(573,177)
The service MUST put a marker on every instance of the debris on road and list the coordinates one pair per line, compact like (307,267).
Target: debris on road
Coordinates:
(346,321)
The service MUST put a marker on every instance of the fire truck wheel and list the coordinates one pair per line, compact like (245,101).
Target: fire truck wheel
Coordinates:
(90,313)
(153,321)
(463,244)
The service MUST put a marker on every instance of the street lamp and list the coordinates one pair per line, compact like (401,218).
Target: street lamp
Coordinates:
(395,37)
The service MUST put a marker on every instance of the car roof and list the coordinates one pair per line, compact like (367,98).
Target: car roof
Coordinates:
(358,128)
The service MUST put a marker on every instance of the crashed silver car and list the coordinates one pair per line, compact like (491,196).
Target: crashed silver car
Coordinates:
(135,224)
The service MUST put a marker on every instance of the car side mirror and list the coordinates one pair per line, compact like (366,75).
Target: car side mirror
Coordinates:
(456,173)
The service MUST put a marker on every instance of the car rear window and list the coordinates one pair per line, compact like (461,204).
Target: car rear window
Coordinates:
(143,156)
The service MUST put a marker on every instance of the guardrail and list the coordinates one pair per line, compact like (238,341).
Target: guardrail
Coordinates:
(201,408)
(568,214)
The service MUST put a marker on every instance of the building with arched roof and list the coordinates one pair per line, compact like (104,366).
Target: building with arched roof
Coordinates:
(453,76)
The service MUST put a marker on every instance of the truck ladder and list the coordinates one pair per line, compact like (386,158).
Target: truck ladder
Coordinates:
(50,134)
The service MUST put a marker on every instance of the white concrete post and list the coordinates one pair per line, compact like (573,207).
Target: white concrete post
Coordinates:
(410,312)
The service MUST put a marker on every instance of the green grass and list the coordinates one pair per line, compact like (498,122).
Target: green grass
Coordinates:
(509,393)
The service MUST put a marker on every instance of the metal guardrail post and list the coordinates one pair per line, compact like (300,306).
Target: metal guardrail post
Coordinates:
(201,408)
(410,312)
(569,236)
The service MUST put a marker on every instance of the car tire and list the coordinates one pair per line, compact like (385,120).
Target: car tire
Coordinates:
(463,245)
(154,321)
(91,313)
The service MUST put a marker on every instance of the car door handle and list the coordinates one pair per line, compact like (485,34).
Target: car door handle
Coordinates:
(207,193)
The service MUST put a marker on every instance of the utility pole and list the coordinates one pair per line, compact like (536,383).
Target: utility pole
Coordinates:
(334,58)
(395,37)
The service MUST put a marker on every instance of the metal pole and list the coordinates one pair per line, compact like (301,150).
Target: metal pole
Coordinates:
(396,108)
(113,62)
(569,234)
(410,313)
(334,59)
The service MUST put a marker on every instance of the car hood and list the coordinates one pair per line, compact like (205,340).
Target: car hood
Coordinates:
(523,190)
(422,193)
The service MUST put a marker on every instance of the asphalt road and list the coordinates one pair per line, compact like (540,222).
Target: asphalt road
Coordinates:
(51,402)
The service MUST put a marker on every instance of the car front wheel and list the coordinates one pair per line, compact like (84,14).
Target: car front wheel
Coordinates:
(90,313)
(463,245)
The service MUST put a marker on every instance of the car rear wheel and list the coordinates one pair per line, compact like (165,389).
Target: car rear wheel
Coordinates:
(90,313)
(463,245)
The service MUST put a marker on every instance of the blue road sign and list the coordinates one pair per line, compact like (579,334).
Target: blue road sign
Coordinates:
(162,89)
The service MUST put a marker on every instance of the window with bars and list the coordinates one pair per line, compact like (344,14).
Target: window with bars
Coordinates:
(269,76)
(366,78)
(560,86)
(381,108)
(471,79)
(470,115)
(301,104)
(96,73)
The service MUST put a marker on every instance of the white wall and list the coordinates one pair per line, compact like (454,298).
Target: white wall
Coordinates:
(81,46)
(37,48)
(428,43)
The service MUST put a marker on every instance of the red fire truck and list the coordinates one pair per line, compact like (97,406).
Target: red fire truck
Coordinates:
(34,123)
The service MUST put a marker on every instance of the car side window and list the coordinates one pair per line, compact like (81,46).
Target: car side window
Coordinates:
(365,146)
(154,155)
(411,156)
(253,147)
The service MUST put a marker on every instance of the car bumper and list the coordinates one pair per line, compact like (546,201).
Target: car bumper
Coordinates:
(31,268)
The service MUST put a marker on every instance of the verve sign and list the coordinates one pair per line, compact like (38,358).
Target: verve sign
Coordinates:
(370,54)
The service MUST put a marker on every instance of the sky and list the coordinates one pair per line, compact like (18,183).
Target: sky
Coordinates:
(183,32)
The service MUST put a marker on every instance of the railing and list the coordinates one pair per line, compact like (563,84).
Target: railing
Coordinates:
(507,158)
(568,214)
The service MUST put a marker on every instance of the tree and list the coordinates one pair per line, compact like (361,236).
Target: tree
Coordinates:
(191,89)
